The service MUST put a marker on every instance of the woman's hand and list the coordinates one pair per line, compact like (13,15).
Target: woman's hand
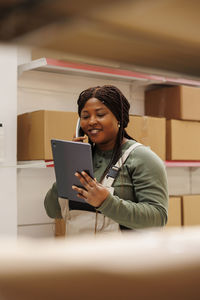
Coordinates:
(79,138)
(93,192)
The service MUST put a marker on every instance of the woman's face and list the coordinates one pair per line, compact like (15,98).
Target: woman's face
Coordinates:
(99,123)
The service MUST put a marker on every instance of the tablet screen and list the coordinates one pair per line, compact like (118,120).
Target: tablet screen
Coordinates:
(69,158)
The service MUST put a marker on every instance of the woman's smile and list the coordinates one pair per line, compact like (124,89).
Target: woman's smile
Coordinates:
(94,131)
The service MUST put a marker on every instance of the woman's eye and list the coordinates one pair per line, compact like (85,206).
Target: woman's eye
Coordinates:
(84,117)
(100,115)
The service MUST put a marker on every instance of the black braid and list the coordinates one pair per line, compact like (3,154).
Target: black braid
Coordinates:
(113,98)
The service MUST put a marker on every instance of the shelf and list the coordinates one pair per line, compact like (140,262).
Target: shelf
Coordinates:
(64,67)
(34,164)
(28,164)
(195,164)
(47,164)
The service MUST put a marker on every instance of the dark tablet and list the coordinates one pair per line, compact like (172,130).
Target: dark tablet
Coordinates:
(70,157)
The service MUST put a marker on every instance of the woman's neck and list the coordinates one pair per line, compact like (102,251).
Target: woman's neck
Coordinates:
(107,147)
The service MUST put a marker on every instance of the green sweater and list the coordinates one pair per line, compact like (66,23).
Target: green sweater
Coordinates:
(140,197)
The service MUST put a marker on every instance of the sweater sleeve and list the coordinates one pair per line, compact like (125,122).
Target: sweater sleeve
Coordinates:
(51,203)
(149,181)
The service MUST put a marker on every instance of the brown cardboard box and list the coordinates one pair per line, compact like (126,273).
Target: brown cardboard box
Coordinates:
(174,211)
(60,227)
(36,129)
(179,102)
(191,210)
(183,140)
(149,131)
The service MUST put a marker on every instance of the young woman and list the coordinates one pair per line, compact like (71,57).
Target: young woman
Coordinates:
(140,197)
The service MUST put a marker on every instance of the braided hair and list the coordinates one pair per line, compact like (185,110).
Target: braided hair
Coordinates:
(117,103)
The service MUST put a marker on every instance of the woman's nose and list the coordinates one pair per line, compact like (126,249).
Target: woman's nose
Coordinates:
(92,120)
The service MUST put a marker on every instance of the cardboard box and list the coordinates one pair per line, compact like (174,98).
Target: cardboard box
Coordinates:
(183,140)
(174,211)
(60,227)
(191,210)
(179,102)
(149,131)
(36,129)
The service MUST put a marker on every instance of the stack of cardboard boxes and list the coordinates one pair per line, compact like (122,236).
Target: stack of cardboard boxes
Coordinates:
(180,105)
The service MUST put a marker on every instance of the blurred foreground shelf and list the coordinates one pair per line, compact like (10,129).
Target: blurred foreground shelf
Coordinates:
(161,35)
(51,268)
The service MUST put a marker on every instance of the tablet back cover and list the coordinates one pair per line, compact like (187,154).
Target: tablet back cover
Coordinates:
(70,157)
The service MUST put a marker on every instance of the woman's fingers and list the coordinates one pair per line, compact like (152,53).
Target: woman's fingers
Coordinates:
(80,191)
(85,179)
(79,139)
(87,182)
(92,191)
(88,179)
